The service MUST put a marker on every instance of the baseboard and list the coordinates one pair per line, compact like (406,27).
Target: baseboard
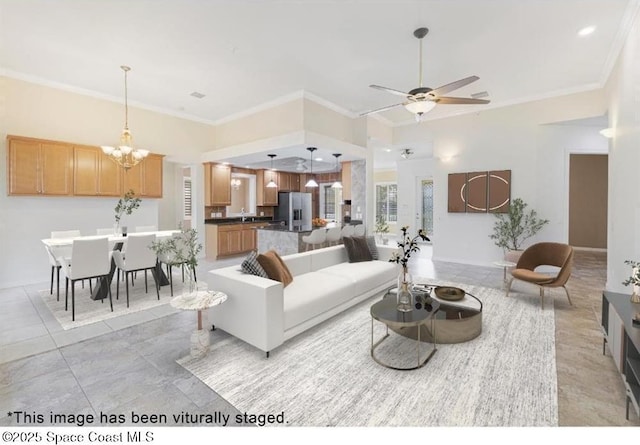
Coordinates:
(589,249)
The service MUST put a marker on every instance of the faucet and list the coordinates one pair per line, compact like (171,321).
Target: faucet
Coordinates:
(242,214)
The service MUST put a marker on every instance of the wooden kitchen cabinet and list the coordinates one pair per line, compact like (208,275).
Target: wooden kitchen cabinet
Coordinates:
(145,178)
(217,180)
(231,239)
(266,196)
(288,182)
(42,167)
(94,174)
(39,167)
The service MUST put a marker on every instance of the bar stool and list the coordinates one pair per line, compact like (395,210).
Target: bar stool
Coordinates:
(317,236)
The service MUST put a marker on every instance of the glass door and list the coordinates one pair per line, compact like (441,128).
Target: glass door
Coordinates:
(424,215)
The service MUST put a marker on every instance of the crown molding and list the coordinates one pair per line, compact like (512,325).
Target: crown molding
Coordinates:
(94,94)
(631,15)
(296,95)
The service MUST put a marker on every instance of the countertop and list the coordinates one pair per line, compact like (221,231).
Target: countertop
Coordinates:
(282,228)
(248,220)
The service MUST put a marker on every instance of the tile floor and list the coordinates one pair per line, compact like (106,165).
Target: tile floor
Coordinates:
(128,364)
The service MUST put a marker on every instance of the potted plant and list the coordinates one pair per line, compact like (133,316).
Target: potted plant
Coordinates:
(382,228)
(180,249)
(513,228)
(126,205)
(634,280)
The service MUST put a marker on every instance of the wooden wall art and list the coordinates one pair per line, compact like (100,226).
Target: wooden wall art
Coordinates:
(480,192)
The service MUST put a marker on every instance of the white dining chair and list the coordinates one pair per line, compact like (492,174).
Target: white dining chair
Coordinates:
(58,252)
(359,230)
(139,257)
(333,235)
(347,231)
(90,258)
(146,229)
(316,237)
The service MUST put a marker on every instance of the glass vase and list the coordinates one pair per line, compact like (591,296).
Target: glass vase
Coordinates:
(404,295)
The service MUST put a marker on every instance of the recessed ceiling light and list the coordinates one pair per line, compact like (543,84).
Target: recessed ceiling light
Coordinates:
(607,132)
(388,150)
(318,159)
(586,31)
(197,95)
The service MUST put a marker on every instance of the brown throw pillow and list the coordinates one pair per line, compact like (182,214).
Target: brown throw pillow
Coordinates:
(275,267)
(357,249)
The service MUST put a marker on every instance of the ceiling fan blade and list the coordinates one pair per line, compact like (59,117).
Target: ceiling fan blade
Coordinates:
(390,90)
(377,110)
(460,100)
(444,89)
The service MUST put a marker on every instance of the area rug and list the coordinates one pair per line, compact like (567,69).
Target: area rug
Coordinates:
(326,376)
(89,311)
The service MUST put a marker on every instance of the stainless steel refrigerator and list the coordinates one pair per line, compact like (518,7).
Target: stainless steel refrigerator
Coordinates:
(295,209)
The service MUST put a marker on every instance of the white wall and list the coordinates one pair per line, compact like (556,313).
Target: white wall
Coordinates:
(623,239)
(508,138)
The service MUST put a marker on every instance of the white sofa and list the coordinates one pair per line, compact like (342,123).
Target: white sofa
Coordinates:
(262,313)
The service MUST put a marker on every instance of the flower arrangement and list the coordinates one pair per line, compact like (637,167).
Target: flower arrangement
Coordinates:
(127,204)
(406,246)
(318,222)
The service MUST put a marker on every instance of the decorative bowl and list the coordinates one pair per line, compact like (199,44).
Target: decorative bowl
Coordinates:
(449,293)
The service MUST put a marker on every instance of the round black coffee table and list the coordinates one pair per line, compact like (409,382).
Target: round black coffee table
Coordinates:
(385,311)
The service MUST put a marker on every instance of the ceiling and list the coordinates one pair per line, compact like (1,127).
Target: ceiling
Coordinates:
(241,54)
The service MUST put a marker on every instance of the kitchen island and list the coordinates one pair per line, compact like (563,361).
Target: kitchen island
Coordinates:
(281,239)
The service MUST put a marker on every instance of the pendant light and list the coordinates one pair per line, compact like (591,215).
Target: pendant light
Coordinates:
(337,184)
(272,183)
(311,182)
(124,154)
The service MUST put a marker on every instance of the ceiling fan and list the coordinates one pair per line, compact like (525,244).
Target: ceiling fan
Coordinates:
(422,99)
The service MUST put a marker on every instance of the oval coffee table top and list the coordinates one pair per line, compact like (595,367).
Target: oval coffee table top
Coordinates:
(385,311)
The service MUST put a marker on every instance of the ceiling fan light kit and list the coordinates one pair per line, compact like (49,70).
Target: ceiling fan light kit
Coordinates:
(406,153)
(421,100)
(124,154)
(311,182)
(272,183)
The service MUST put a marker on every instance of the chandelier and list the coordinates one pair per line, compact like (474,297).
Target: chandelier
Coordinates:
(124,154)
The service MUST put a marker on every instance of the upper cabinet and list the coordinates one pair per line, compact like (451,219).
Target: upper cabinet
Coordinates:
(288,182)
(145,178)
(94,173)
(217,179)
(38,167)
(266,196)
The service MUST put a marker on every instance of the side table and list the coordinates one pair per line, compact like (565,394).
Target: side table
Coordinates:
(199,301)
(505,265)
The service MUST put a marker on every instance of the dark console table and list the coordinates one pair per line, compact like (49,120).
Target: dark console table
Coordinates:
(623,338)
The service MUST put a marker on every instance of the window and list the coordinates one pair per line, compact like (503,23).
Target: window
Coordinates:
(387,202)
(330,200)
(186,190)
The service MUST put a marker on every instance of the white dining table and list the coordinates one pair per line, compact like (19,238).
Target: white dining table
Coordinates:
(60,247)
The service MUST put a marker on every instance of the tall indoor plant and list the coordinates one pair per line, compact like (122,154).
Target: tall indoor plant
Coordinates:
(512,229)
(180,249)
